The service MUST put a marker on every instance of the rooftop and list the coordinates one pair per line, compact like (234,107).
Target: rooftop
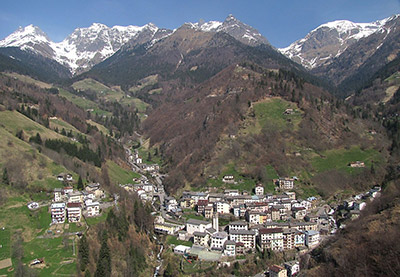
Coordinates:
(271,230)
(242,223)
(220,235)
(73,205)
(200,234)
(276,268)
(242,232)
(197,222)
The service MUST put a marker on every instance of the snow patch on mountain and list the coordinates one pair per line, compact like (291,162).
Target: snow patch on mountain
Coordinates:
(233,27)
(83,48)
(330,40)
(86,47)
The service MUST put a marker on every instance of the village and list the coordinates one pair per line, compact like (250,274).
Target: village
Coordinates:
(253,222)
(219,226)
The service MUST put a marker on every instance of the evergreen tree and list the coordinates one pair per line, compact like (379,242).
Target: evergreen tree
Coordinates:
(6,179)
(83,253)
(104,261)
(38,139)
(20,134)
(80,183)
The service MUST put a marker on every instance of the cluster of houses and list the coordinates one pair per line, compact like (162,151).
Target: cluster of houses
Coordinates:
(68,204)
(144,189)
(352,207)
(135,158)
(291,268)
(241,237)
(265,221)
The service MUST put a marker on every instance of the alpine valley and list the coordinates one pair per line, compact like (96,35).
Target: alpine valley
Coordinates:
(117,140)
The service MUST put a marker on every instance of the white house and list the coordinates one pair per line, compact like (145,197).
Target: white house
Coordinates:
(231,192)
(271,238)
(299,239)
(238,225)
(201,238)
(75,197)
(292,267)
(312,238)
(285,183)
(247,237)
(181,249)
(74,212)
(195,225)
(218,240)
(57,212)
(259,190)
(230,248)
(221,207)
(93,209)
(253,217)
(229,179)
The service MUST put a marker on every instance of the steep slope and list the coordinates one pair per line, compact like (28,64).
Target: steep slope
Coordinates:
(189,54)
(234,27)
(323,44)
(85,46)
(219,122)
(371,236)
(346,53)
(29,63)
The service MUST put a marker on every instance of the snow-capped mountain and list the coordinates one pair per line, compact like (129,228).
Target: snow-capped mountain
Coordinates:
(330,40)
(85,47)
(232,26)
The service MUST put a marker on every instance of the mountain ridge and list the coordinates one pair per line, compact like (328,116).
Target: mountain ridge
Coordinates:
(86,47)
(329,40)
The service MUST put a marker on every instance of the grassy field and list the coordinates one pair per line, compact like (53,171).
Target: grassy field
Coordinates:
(144,151)
(90,84)
(340,159)
(118,175)
(61,124)
(5,242)
(17,218)
(111,94)
(99,126)
(14,121)
(94,220)
(191,214)
(145,82)
(173,240)
(103,91)
(83,102)
(139,104)
(270,113)
(394,79)
(36,168)
(242,183)
(29,80)
(57,252)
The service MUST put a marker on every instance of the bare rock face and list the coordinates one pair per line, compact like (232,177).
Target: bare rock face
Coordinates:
(86,47)
(235,28)
(330,40)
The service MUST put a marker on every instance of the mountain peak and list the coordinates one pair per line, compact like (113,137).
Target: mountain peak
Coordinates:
(230,17)
(330,40)
(28,35)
